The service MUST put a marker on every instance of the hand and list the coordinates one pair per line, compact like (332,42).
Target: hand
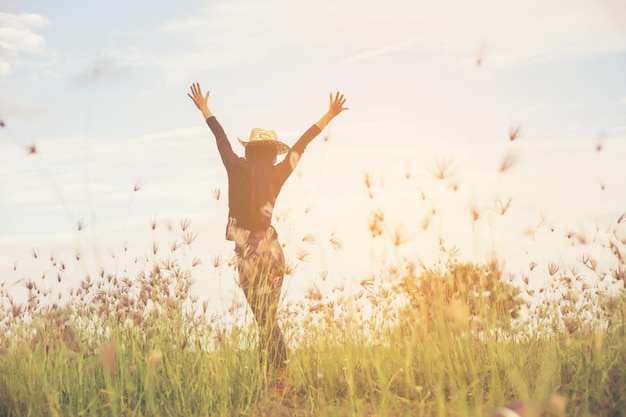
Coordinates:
(336,104)
(198,99)
(336,107)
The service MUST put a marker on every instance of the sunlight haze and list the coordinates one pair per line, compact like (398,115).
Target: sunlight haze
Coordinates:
(98,130)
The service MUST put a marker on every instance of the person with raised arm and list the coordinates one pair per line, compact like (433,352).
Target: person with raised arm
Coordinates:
(254,182)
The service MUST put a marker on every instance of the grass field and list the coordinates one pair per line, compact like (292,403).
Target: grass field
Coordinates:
(451,339)
(460,340)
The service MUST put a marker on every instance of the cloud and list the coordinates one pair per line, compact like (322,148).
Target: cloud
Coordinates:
(507,33)
(17,36)
(377,52)
(70,175)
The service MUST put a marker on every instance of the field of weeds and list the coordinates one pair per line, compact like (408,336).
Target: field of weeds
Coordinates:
(455,245)
(438,337)
(453,339)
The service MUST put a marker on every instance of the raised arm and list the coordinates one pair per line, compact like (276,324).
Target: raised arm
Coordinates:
(229,158)
(336,107)
(201,102)
(293,157)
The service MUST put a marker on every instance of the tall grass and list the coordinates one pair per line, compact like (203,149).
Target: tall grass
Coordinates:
(450,339)
(453,340)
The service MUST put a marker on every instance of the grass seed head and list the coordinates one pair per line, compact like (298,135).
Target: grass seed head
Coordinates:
(509,160)
(514,132)
(443,168)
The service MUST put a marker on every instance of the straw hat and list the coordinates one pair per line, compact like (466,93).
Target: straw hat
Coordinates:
(265,137)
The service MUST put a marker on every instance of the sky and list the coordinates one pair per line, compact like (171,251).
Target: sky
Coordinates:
(99,139)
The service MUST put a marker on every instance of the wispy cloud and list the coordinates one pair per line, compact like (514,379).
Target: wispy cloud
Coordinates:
(245,35)
(377,52)
(80,177)
(18,36)
(241,32)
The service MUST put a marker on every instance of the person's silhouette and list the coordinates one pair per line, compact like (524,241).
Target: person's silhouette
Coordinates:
(254,183)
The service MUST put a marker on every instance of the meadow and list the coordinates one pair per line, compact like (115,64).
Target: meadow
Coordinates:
(450,338)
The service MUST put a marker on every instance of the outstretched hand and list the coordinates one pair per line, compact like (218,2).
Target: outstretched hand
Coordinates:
(336,104)
(196,95)
(336,107)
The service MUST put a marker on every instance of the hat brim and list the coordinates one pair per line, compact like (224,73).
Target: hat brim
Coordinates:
(278,146)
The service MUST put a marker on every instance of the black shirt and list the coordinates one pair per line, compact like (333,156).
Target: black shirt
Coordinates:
(240,205)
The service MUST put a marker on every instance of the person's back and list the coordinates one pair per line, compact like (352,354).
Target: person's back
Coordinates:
(254,183)
(254,188)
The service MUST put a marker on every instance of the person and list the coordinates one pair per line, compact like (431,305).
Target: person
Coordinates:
(254,183)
